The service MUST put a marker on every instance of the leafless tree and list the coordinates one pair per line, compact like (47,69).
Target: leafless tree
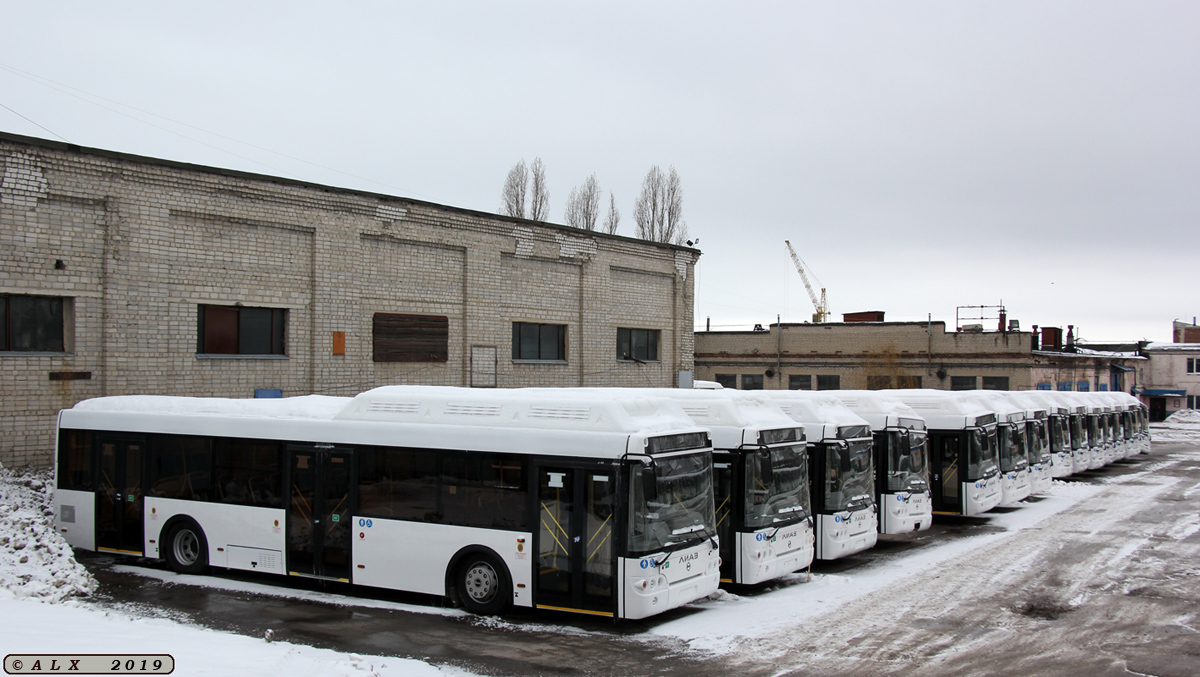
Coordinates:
(539,194)
(613,219)
(658,211)
(583,205)
(513,195)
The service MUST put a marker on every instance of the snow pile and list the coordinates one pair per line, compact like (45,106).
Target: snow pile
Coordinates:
(35,562)
(1182,426)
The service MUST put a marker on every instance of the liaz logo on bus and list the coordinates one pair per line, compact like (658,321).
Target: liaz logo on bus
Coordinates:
(786,535)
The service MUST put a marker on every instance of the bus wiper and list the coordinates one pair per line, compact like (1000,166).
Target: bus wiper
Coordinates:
(676,547)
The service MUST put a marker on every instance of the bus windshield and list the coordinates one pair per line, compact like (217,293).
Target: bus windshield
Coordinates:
(1095,438)
(1057,434)
(981,457)
(1039,443)
(1011,449)
(850,474)
(906,461)
(785,498)
(1076,432)
(682,511)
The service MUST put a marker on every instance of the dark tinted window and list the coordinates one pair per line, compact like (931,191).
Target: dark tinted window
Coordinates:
(31,323)
(539,341)
(727,380)
(399,484)
(833,382)
(181,467)
(962,383)
(484,490)
(246,472)
(800,382)
(75,460)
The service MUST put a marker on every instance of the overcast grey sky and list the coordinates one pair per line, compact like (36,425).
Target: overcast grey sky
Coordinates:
(919,155)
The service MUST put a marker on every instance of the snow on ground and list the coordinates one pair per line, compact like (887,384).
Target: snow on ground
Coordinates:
(729,619)
(35,562)
(1182,426)
(41,610)
(31,627)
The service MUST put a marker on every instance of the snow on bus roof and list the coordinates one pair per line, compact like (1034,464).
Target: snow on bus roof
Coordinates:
(320,407)
(727,413)
(551,408)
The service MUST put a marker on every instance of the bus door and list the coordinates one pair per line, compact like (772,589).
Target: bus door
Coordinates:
(576,561)
(946,473)
(119,494)
(319,511)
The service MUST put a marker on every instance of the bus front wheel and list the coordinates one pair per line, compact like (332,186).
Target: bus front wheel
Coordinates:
(187,549)
(483,585)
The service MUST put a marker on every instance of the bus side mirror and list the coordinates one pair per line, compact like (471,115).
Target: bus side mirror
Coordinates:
(767,469)
(649,483)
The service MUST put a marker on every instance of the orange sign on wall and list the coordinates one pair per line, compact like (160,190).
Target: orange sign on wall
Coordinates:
(339,343)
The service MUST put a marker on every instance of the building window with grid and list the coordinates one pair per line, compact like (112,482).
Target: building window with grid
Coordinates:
(752,381)
(831,382)
(238,330)
(1064,386)
(639,345)
(903,381)
(1193,366)
(1044,386)
(1083,386)
(799,381)
(995,383)
(410,338)
(962,383)
(539,342)
(727,380)
(34,323)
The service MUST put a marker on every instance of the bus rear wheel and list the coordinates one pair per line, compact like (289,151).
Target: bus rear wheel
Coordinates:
(187,549)
(483,584)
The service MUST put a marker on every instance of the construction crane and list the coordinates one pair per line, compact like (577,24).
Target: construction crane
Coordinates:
(821,306)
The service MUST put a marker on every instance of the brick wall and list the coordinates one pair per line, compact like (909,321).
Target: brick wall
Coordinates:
(136,245)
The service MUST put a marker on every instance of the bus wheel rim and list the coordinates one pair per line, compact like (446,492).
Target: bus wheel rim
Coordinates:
(482,581)
(186,547)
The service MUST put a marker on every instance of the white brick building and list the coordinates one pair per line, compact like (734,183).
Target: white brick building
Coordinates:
(124,274)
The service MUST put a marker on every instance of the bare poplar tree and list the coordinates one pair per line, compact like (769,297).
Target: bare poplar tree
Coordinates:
(583,205)
(513,195)
(539,194)
(658,211)
(613,219)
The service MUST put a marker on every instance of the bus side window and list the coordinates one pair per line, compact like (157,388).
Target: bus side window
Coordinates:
(484,490)
(247,472)
(180,467)
(75,460)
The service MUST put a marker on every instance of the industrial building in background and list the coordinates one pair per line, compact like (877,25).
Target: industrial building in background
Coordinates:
(866,352)
(131,275)
(1172,381)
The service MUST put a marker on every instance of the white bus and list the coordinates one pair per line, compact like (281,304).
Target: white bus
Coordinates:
(962,450)
(1037,439)
(841,471)
(1077,414)
(1015,481)
(760,477)
(901,471)
(760,473)
(1058,424)
(489,498)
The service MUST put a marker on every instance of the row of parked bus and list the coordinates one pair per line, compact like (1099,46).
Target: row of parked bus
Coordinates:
(614,502)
